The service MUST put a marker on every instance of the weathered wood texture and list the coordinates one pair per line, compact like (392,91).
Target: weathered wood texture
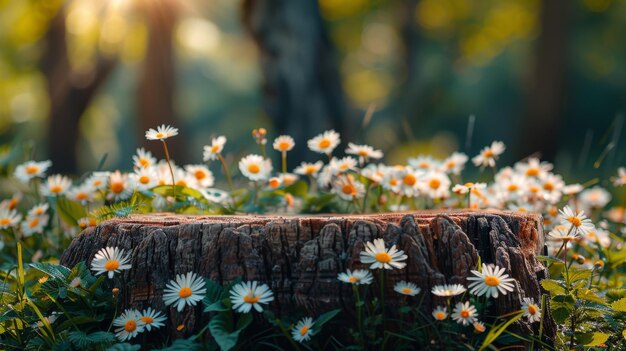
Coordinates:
(300,257)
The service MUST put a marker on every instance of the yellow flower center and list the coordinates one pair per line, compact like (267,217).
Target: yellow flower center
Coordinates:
(144,163)
(532,310)
(488,153)
(254,168)
(56,189)
(434,183)
(199,174)
(407,290)
(304,330)
(144,179)
(5,221)
(424,165)
(117,187)
(393,182)
(160,135)
(147,319)
(479,327)
(181,182)
(512,187)
(441,315)
(348,189)
(251,299)
(532,172)
(353,280)
(310,169)
(534,189)
(492,280)
(33,223)
(184,292)
(274,183)
(409,180)
(96,183)
(465,314)
(575,221)
(324,143)
(548,186)
(215,148)
(111,265)
(283,146)
(383,257)
(32,169)
(450,164)
(130,326)
(81,196)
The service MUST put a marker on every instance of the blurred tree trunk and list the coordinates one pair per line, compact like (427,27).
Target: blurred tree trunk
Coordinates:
(70,94)
(157,80)
(546,89)
(302,85)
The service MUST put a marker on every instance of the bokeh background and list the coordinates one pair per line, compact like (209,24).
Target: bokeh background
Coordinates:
(85,78)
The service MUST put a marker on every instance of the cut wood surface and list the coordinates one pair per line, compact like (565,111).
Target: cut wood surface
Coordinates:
(299,257)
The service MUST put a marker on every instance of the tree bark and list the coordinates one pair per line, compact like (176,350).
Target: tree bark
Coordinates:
(302,86)
(300,257)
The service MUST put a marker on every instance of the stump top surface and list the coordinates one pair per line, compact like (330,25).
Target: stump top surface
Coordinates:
(172,219)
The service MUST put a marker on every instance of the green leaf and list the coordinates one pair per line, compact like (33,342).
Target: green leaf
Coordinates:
(497,330)
(619,305)
(54,271)
(70,211)
(598,339)
(555,287)
(560,314)
(589,295)
(124,347)
(325,317)
(221,330)
(549,259)
(299,189)
(82,340)
(579,274)
(213,298)
(624,333)
(183,345)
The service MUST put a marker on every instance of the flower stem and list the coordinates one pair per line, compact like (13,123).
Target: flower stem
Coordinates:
(286,333)
(284,154)
(169,164)
(359,321)
(226,172)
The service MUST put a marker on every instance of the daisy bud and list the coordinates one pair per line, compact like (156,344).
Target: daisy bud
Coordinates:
(599,264)
(115,292)
(180,327)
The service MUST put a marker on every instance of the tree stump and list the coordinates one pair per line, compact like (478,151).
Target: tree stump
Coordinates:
(299,257)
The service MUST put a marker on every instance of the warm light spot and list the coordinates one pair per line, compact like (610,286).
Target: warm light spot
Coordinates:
(111,265)
(184,292)
(254,168)
(532,172)
(251,299)
(56,189)
(117,187)
(407,290)
(324,143)
(130,326)
(409,179)
(304,330)
(383,257)
(200,174)
(144,179)
(492,280)
(434,183)
(32,169)
(465,314)
(147,319)
(532,309)
(353,280)
(575,221)
(348,189)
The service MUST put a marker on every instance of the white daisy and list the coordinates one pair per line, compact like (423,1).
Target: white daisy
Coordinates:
(31,169)
(491,281)
(375,173)
(161,133)
(342,165)
(394,179)
(144,178)
(448,290)
(216,147)
(424,163)
(348,188)
(310,169)
(455,163)
(274,183)
(533,167)
(406,288)
(572,189)
(365,152)
(152,318)
(11,203)
(489,155)
(324,143)
(98,180)
(143,159)
(39,209)
(85,222)
(579,221)
(186,289)
(596,197)
(409,185)
(255,167)
(621,177)
(436,185)
(56,185)
(358,276)
(552,187)
(288,178)
(119,186)
(464,313)
(110,260)
(531,310)
(34,224)
(204,177)
(246,295)
(284,143)
(325,177)
(130,325)
(303,330)
(82,194)
(479,327)
(440,313)
(564,233)
(379,257)
(9,218)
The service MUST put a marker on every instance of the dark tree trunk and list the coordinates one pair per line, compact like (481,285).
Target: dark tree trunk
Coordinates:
(302,86)
(157,79)
(70,94)
(300,257)
(546,89)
